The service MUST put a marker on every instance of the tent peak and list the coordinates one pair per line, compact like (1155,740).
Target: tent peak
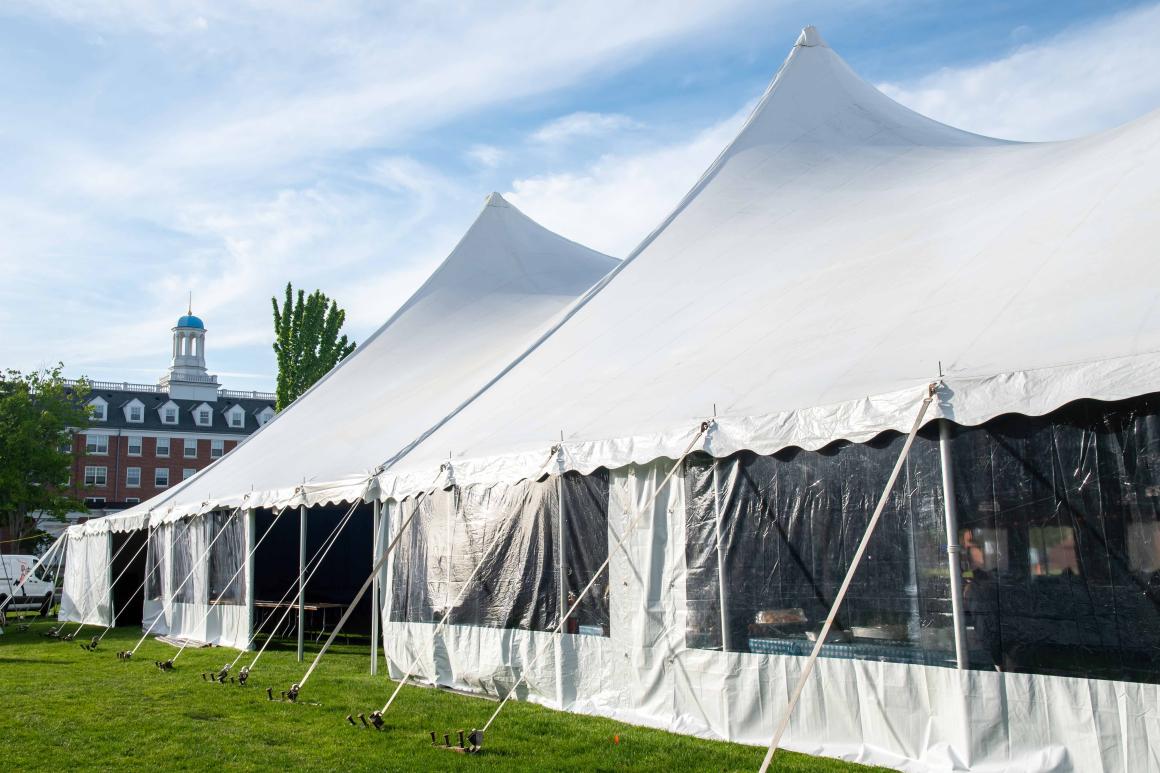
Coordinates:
(494,199)
(810,37)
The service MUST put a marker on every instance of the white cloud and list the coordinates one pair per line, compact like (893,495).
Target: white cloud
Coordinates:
(583,124)
(486,155)
(232,146)
(1079,82)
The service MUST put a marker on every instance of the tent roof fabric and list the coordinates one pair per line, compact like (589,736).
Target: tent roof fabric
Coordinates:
(838,254)
(497,290)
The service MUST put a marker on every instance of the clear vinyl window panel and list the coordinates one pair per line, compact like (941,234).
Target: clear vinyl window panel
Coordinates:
(770,538)
(506,556)
(155,563)
(1059,537)
(182,557)
(227,579)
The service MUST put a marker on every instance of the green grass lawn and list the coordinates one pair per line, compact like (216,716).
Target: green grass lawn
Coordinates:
(68,709)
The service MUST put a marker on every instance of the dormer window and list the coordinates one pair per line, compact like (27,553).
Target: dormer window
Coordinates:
(135,411)
(203,415)
(98,409)
(168,413)
(236,417)
(265,415)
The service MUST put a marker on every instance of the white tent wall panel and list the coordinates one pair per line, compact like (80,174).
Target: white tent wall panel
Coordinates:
(86,596)
(180,559)
(909,717)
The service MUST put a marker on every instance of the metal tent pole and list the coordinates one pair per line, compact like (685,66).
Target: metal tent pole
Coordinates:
(725,633)
(950,508)
(251,554)
(563,572)
(301,582)
(376,532)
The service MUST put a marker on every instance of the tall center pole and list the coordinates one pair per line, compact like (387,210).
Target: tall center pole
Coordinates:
(301,582)
(376,532)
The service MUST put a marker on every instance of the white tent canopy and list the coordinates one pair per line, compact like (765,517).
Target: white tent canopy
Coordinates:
(839,256)
(495,292)
(840,251)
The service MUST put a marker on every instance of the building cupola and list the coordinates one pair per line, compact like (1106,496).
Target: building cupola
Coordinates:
(187,376)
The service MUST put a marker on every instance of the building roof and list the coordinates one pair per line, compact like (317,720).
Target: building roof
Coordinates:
(118,399)
(189,320)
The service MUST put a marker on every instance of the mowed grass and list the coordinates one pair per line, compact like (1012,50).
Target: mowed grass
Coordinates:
(68,709)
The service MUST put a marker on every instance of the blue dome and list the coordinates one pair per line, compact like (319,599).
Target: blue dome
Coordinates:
(191,321)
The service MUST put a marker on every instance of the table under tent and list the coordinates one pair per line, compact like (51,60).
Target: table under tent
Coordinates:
(857,317)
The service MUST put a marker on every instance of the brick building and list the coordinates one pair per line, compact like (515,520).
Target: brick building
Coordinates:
(144,438)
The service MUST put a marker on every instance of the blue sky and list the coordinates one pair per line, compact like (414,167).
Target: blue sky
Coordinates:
(152,148)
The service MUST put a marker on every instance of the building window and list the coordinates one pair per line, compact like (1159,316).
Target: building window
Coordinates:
(265,416)
(203,417)
(187,473)
(169,416)
(66,444)
(163,447)
(134,444)
(99,411)
(237,419)
(93,502)
(132,500)
(190,448)
(133,477)
(136,414)
(97,444)
(216,448)
(161,477)
(96,476)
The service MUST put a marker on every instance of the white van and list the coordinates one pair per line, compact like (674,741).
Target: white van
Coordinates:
(36,593)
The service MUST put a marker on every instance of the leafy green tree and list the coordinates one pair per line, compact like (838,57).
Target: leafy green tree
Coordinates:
(306,341)
(38,413)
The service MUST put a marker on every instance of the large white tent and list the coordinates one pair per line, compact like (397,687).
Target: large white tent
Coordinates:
(497,290)
(841,255)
